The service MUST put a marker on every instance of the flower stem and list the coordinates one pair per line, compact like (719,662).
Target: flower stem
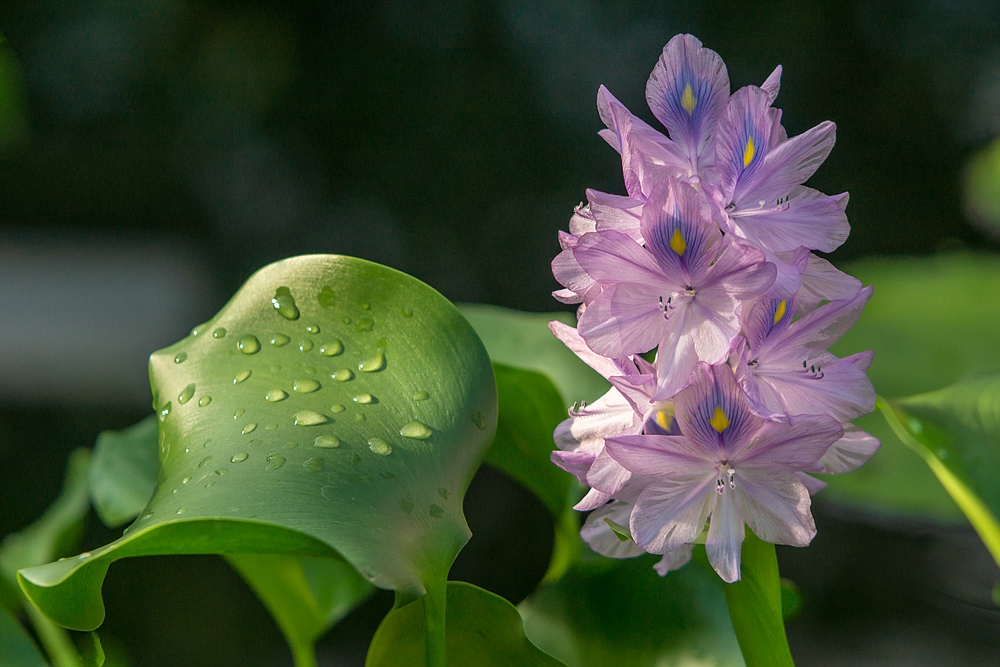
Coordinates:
(435,605)
(755,607)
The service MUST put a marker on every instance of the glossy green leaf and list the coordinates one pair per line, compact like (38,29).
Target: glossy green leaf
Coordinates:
(16,647)
(523,340)
(530,409)
(917,353)
(122,473)
(755,606)
(306,595)
(482,629)
(956,431)
(334,407)
(620,613)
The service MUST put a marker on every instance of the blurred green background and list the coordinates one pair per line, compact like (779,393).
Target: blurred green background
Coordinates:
(153,153)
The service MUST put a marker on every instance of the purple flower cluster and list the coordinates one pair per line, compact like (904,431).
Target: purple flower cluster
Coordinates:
(709,260)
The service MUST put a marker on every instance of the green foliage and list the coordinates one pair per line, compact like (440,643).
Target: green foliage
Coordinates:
(122,473)
(981,186)
(257,456)
(530,409)
(915,353)
(16,647)
(621,613)
(523,340)
(482,629)
(755,606)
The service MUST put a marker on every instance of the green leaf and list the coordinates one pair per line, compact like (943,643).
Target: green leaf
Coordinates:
(530,409)
(280,433)
(523,340)
(755,606)
(305,595)
(122,472)
(956,431)
(482,629)
(16,647)
(620,613)
(915,353)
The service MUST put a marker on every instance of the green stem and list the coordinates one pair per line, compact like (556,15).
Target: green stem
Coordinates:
(304,655)
(435,604)
(55,640)
(755,607)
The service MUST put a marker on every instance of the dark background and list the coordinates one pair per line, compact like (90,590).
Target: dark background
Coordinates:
(162,150)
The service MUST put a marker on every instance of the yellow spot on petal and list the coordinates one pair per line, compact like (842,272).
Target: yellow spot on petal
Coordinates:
(780,311)
(664,419)
(748,153)
(719,420)
(687,100)
(677,242)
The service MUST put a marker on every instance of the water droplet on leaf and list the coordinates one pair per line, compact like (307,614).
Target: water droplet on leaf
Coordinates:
(436,511)
(204,461)
(284,303)
(249,428)
(421,396)
(326,442)
(309,418)
(186,395)
(327,297)
(248,344)
(332,349)
(219,333)
(374,363)
(379,446)
(239,413)
(363,399)
(337,407)
(312,328)
(342,375)
(239,458)
(204,400)
(280,340)
(181,357)
(275,395)
(305,345)
(365,323)
(416,430)
(305,386)
(274,461)
(165,410)
(479,420)
(314,464)
(242,376)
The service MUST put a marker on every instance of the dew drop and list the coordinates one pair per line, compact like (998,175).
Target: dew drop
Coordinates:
(406,504)
(220,472)
(366,306)
(310,369)
(305,386)
(443,492)
(290,445)
(274,461)
(363,399)
(239,413)
(379,446)
(204,461)
(421,396)
(280,340)
(275,395)
(305,345)
(326,442)
(479,420)
(271,427)
(312,328)
(185,480)
(181,357)
(186,395)
(337,407)
(242,376)
(248,344)
(284,303)
(165,410)
(327,297)
(374,363)
(406,311)
(314,464)
(309,418)
(181,510)
(219,333)
(366,323)
(204,400)
(416,430)
(359,417)
(239,458)
(342,375)
(436,511)
(147,515)
(249,428)
(332,349)
(255,443)
(209,485)
(275,368)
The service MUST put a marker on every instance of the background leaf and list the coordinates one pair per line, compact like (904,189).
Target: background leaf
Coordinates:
(16,647)
(280,432)
(122,472)
(620,613)
(931,322)
(523,340)
(483,629)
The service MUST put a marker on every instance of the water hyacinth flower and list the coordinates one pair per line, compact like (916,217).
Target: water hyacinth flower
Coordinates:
(708,260)
(730,468)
